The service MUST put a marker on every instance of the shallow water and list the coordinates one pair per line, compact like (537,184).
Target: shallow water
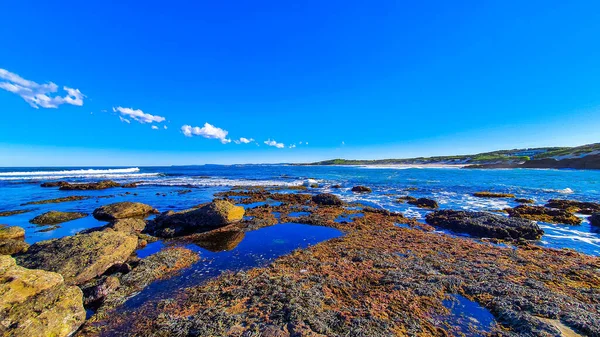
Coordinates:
(451,187)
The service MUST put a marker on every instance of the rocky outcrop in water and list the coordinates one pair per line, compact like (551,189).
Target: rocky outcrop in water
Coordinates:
(122,210)
(101,185)
(487,194)
(574,206)
(424,203)
(37,303)
(54,184)
(595,219)
(11,232)
(361,189)
(11,240)
(540,213)
(55,217)
(524,201)
(15,212)
(80,257)
(483,224)
(327,199)
(57,200)
(210,216)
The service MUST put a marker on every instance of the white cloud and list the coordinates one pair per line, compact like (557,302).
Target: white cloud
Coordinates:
(275,144)
(124,120)
(292,146)
(37,94)
(139,115)
(154,127)
(343,143)
(243,140)
(165,127)
(207,131)
(300,143)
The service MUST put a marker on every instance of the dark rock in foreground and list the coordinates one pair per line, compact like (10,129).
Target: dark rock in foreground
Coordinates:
(361,189)
(55,217)
(424,203)
(210,216)
(101,185)
(540,213)
(574,206)
(327,199)
(483,224)
(80,257)
(11,232)
(122,210)
(595,219)
(37,302)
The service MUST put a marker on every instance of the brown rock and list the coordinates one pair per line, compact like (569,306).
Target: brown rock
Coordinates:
(122,210)
(11,232)
(540,213)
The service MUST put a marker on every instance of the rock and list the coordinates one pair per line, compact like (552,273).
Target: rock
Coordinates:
(80,257)
(424,203)
(540,213)
(361,189)
(218,240)
(101,185)
(11,232)
(55,217)
(11,247)
(131,225)
(336,186)
(37,302)
(406,198)
(129,185)
(327,199)
(54,184)
(595,219)
(210,216)
(574,206)
(524,201)
(15,212)
(122,210)
(93,295)
(57,200)
(487,194)
(483,224)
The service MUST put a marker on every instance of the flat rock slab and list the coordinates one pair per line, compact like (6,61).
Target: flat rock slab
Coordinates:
(11,232)
(544,214)
(483,224)
(122,210)
(55,217)
(37,303)
(57,200)
(81,257)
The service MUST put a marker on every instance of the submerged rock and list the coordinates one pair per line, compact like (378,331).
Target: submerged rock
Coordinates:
(122,210)
(57,200)
(524,201)
(487,194)
(54,184)
(218,240)
(101,185)
(362,189)
(55,217)
(424,203)
(37,302)
(15,212)
(11,232)
(406,198)
(210,216)
(80,257)
(540,213)
(11,246)
(485,225)
(595,219)
(327,199)
(574,206)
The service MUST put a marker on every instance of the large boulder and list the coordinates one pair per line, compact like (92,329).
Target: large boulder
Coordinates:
(37,303)
(80,257)
(327,199)
(210,216)
(595,219)
(56,217)
(424,203)
(483,224)
(122,210)
(541,213)
(11,232)
(361,189)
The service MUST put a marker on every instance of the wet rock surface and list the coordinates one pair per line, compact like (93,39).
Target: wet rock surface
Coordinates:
(56,217)
(122,210)
(15,212)
(11,246)
(81,257)
(524,201)
(327,199)
(361,189)
(595,219)
(540,213)
(210,216)
(54,184)
(424,203)
(483,224)
(487,194)
(573,206)
(101,185)
(11,232)
(37,303)
(57,200)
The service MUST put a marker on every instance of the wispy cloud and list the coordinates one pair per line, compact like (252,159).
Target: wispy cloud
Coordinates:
(275,144)
(124,120)
(37,95)
(243,140)
(292,146)
(207,131)
(138,115)
(154,127)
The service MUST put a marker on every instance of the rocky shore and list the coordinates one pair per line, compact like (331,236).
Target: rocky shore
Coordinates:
(387,275)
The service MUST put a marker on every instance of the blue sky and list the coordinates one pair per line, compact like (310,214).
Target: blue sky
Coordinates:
(351,79)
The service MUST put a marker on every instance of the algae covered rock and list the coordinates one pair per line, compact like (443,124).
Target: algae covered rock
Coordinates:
(210,216)
(15,212)
(573,206)
(524,201)
(483,224)
(56,217)
(540,213)
(57,200)
(595,219)
(424,203)
(11,232)
(327,199)
(54,184)
(361,189)
(11,247)
(131,225)
(80,257)
(487,194)
(37,303)
(122,210)
(101,185)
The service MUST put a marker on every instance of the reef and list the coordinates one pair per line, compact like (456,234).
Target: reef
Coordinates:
(56,217)
(487,194)
(573,206)
(544,214)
